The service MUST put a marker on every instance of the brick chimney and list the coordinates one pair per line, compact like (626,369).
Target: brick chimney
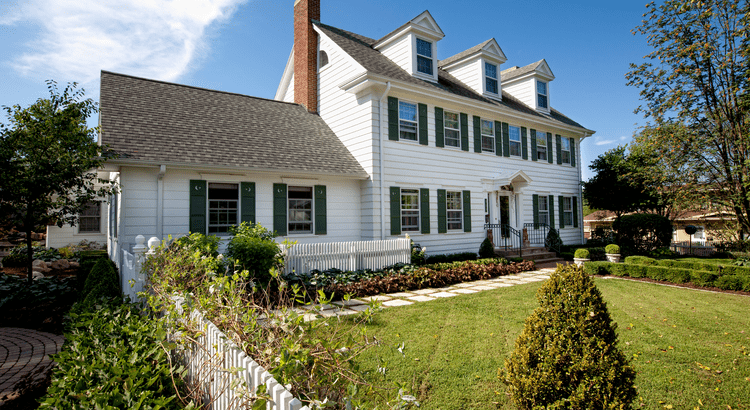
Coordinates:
(306,53)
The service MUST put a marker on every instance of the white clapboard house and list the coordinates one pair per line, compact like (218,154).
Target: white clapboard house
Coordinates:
(366,139)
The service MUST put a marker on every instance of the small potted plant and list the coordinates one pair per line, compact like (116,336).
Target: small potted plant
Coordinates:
(613,253)
(581,256)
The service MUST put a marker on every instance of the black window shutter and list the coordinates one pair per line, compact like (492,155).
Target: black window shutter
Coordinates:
(551,210)
(477,135)
(321,210)
(439,128)
(198,192)
(466,196)
(279,209)
(498,138)
(535,206)
(561,204)
(506,140)
(573,152)
(395,210)
(442,212)
(558,141)
(524,144)
(534,155)
(549,147)
(424,209)
(575,212)
(422,124)
(247,202)
(393,119)
(464,131)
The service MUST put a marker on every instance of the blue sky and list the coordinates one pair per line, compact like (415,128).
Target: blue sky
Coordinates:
(242,46)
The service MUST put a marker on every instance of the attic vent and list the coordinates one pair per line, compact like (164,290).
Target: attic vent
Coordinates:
(323,59)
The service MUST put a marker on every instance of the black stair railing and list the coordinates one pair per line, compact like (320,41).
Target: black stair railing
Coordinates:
(537,232)
(505,237)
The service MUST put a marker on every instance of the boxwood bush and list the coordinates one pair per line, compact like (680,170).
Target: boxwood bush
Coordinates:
(642,233)
(252,248)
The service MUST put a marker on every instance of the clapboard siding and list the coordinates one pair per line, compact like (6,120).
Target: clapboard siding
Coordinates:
(399,51)
(289,94)
(523,91)
(469,73)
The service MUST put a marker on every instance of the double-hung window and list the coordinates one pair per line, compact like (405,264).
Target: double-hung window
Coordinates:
(89,221)
(544,209)
(407,119)
(568,211)
(490,78)
(223,200)
(300,209)
(424,57)
(541,94)
(515,140)
(454,208)
(541,146)
(452,133)
(488,136)
(410,210)
(565,149)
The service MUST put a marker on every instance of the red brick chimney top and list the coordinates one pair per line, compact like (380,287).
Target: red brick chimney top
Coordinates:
(306,53)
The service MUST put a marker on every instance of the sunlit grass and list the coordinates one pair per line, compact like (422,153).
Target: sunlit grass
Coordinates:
(690,348)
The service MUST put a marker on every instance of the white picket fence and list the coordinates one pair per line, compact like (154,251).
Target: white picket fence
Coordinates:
(227,377)
(347,256)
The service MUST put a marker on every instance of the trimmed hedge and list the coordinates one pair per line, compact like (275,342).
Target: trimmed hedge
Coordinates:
(722,277)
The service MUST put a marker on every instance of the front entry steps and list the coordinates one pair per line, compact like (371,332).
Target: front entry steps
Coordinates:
(541,256)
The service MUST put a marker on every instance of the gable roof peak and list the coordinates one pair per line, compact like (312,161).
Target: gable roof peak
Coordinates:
(540,68)
(424,23)
(488,48)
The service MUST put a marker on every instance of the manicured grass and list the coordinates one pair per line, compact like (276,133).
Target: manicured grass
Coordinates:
(690,348)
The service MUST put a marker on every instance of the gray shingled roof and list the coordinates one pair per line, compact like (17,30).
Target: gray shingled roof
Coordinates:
(157,122)
(443,63)
(360,48)
(514,72)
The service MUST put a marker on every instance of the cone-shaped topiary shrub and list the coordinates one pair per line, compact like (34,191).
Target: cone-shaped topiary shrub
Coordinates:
(486,249)
(567,355)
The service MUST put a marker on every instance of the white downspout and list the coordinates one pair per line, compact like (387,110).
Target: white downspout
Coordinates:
(380,161)
(160,202)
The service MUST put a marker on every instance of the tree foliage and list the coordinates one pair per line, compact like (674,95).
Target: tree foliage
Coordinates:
(48,162)
(696,79)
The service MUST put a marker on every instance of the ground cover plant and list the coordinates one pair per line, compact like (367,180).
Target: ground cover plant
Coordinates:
(689,348)
(39,306)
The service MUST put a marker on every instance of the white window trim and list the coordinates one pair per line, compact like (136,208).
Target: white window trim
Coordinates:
(312,212)
(567,211)
(544,146)
(482,135)
(97,232)
(416,122)
(461,210)
(546,212)
(208,207)
(563,151)
(484,78)
(520,144)
(418,210)
(537,94)
(458,130)
(415,60)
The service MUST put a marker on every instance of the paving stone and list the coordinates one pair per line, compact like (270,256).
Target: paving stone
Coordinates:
(401,295)
(444,294)
(350,302)
(424,291)
(465,291)
(319,307)
(484,287)
(360,308)
(378,298)
(464,285)
(421,298)
(397,302)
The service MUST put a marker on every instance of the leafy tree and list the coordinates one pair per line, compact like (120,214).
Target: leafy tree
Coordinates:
(697,76)
(48,162)
(616,187)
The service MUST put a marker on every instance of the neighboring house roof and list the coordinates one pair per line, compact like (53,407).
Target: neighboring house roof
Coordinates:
(599,216)
(149,121)
(514,72)
(360,49)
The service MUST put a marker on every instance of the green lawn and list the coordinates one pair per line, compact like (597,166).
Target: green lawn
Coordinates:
(691,349)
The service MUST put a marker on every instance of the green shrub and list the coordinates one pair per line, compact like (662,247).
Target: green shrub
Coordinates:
(553,241)
(16,260)
(597,254)
(253,248)
(640,260)
(703,278)
(567,355)
(730,282)
(582,253)
(486,249)
(642,233)
(661,253)
(596,268)
(735,270)
(86,261)
(113,358)
(197,242)
(679,275)
(417,254)
(451,257)
(612,249)
(102,282)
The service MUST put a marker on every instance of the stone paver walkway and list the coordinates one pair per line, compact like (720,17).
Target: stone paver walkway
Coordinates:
(343,308)
(23,352)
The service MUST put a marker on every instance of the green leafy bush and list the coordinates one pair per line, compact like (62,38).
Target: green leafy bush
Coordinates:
(252,248)
(612,249)
(417,254)
(486,249)
(732,282)
(102,282)
(197,242)
(642,233)
(451,257)
(553,241)
(113,358)
(664,252)
(86,261)
(567,355)
(582,253)
(640,260)
(16,260)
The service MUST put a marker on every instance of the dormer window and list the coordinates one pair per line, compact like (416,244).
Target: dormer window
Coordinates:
(490,76)
(541,93)
(424,57)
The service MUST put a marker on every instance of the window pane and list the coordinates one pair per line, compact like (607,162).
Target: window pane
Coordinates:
(542,101)
(424,48)
(407,111)
(451,120)
(409,210)
(541,87)
(491,85)
(300,209)
(454,210)
(222,206)
(452,138)
(542,203)
(487,127)
(490,70)
(515,148)
(515,133)
(565,144)
(424,65)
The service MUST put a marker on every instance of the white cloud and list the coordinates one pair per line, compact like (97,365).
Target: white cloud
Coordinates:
(149,38)
(604,142)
